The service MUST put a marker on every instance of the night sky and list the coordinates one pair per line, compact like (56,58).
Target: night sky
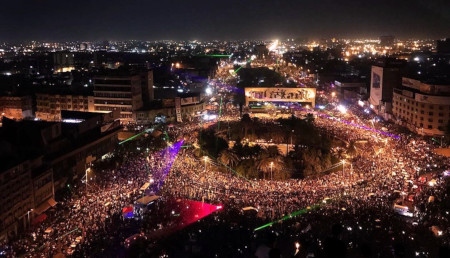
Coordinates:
(57,20)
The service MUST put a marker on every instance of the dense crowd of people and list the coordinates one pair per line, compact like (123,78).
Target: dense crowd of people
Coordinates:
(359,198)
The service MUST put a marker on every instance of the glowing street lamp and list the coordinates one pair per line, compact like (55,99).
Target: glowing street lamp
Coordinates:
(206,159)
(271,170)
(343,166)
(87,170)
(28,214)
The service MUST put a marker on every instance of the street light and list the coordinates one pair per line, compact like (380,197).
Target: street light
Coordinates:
(206,159)
(87,170)
(291,137)
(271,170)
(343,167)
(146,165)
(28,214)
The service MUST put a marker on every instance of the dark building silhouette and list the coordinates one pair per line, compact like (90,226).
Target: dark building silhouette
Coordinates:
(387,41)
(443,46)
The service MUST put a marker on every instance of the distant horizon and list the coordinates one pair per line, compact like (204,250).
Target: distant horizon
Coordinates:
(118,20)
(220,40)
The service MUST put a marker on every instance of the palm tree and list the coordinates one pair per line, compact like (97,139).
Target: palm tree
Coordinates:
(246,122)
(351,149)
(309,118)
(228,158)
(273,151)
(270,162)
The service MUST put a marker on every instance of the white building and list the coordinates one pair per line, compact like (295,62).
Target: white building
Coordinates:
(422,107)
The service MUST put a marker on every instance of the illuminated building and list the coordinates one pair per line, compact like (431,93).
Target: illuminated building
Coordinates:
(350,90)
(121,90)
(16,107)
(261,51)
(190,106)
(49,106)
(63,61)
(40,157)
(422,107)
(258,96)
(26,190)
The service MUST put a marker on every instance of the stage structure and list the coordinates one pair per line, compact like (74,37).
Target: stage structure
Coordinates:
(276,95)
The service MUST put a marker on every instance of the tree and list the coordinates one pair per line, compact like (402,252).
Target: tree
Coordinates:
(228,158)
(246,123)
(247,168)
(270,162)
(351,149)
(309,119)
(211,143)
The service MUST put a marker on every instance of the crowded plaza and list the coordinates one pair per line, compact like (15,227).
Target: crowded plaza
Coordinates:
(298,217)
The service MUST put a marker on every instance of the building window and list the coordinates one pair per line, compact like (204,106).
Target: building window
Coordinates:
(430,127)
(430,113)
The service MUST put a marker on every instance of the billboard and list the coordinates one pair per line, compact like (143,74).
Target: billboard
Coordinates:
(376,85)
(376,80)
(411,83)
(271,94)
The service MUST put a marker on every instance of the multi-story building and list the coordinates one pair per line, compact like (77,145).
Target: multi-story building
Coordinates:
(422,107)
(386,75)
(119,90)
(188,107)
(16,199)
(16,107)
(39,157)
(63,61)
(26,191)
(147,86)
(49,106)
(350,89)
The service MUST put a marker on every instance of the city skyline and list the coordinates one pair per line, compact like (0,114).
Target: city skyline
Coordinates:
(205,20)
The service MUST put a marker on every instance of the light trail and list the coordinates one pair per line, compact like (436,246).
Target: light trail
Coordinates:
(148,130)
(289,216)
(172,152)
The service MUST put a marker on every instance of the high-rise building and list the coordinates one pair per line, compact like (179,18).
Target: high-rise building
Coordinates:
(261,51)
(147,86)
(119,90)
(63,61)
(385,76)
